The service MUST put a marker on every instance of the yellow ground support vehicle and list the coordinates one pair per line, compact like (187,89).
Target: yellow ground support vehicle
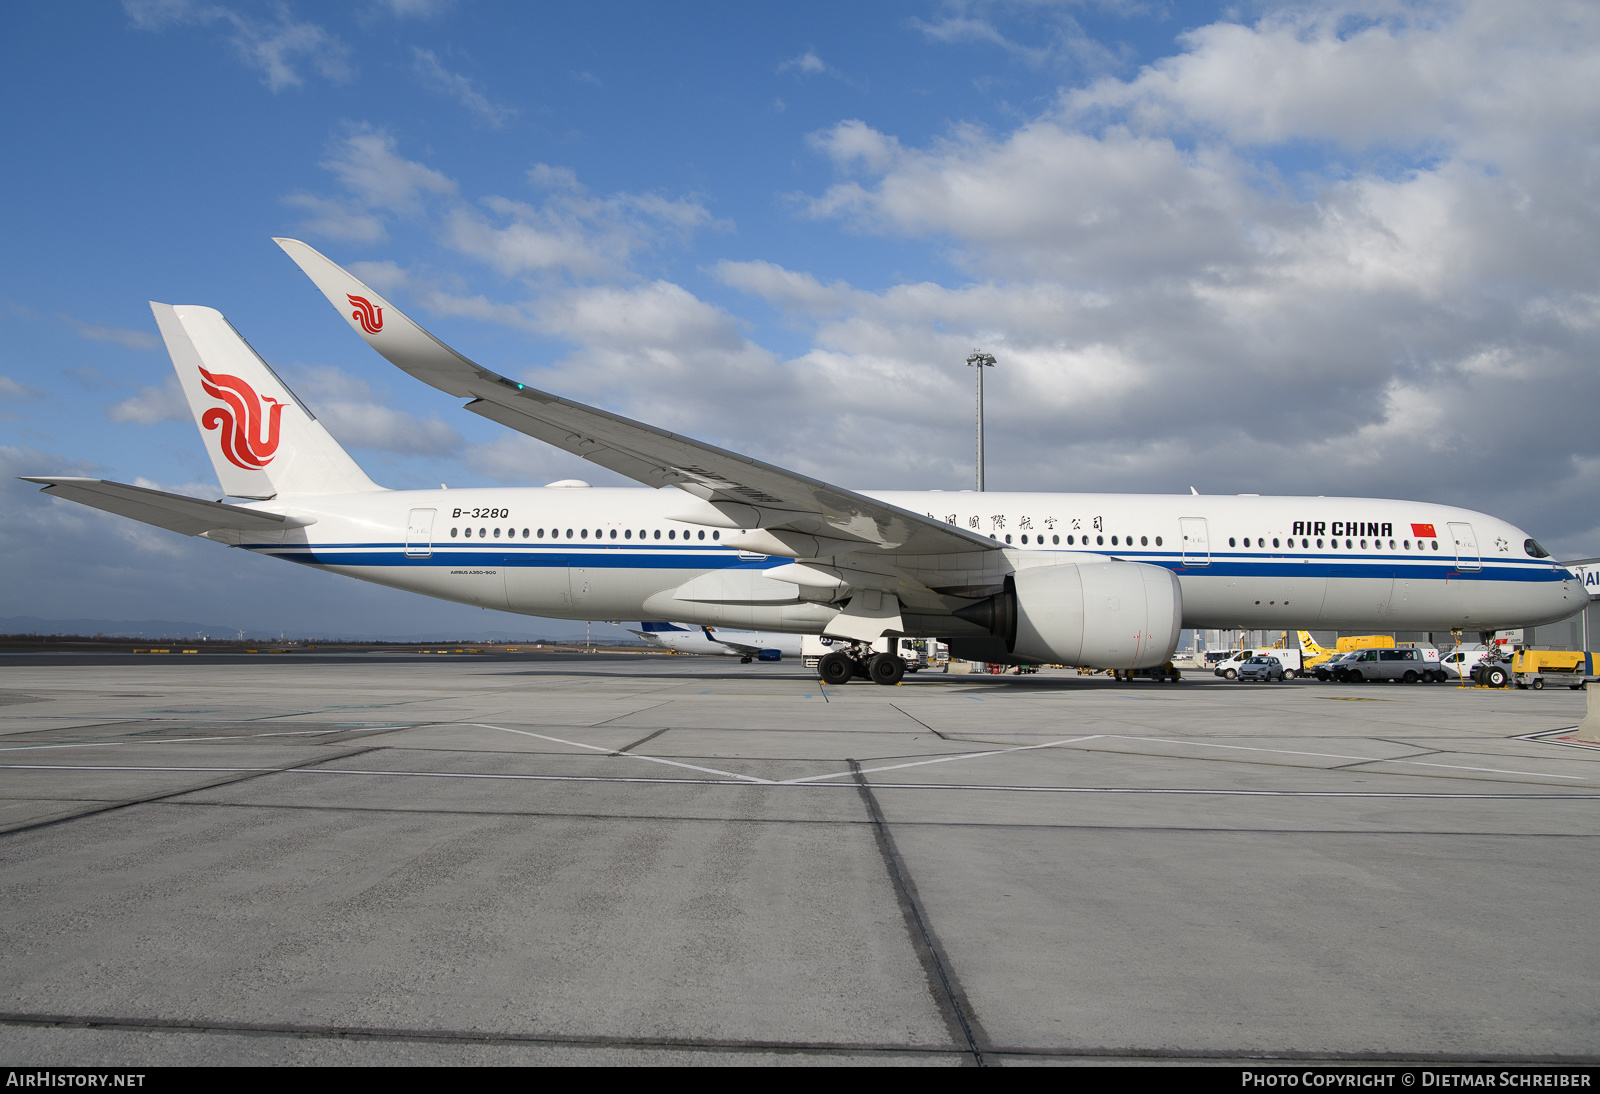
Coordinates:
(1536,668)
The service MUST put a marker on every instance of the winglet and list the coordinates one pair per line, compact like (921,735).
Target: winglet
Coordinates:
(386,328)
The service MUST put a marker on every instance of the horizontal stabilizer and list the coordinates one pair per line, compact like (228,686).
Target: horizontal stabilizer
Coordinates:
(174,512)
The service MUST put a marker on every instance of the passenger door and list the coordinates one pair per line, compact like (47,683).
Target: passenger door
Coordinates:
(1467,557)
(419,533)
(1196,543)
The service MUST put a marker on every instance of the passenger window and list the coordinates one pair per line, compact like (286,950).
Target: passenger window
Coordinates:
(1230,542)
(484,532)
(1363,545)
(628,534)
(613,533)
(452,533)
(672,533)
(700,535)
(1391,545)
(1435,544)
(716,535)
(524,533)
(1274,543)
(1057,539)
(1319,545)
(1407,544)
(541,533)
(1008,537)
(1069,541)
(1100,541)
(658,533)
(569,533)
(1347,545)
(1144,541)
(497,533)
(1158,541)
(1113,541)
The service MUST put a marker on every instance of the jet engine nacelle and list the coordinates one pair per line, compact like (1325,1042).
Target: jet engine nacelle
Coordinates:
(1104,615)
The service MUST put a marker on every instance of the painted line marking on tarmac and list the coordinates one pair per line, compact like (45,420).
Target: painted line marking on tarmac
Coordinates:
(938,760)
(107,767)
(631,756)
(1363,759)
(741,781)
(192,740)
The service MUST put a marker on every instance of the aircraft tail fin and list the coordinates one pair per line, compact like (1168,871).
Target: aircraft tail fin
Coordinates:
(262,440)
(1308,645)
(658,627)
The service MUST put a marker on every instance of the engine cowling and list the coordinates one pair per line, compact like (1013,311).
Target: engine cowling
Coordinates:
(1104,615)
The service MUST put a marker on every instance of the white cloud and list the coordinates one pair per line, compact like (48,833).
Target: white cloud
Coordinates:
(1055,35)
(163,403)
(1289,259)
(379,182)
(568,231)
(129,339)
(414,9)
(571,230)
(356,416)
(460,88)
(335,219)
(807,64)
(376,175)
(11,389)
(276,47)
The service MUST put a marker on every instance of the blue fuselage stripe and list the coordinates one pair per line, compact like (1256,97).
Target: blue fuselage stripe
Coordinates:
(652,557)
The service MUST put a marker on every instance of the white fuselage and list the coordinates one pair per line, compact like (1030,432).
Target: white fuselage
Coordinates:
(1251,562)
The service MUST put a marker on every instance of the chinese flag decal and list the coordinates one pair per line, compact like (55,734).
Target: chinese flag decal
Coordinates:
(1424,531)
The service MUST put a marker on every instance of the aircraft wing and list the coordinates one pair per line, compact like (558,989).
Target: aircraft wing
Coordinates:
(747,492)
(174,512)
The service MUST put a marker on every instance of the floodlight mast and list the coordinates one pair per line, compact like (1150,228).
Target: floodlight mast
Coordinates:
(980,361)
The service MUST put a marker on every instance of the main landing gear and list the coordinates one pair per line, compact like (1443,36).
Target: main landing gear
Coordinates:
(842,666)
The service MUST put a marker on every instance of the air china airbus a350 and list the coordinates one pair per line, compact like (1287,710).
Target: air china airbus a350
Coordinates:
(1101,580)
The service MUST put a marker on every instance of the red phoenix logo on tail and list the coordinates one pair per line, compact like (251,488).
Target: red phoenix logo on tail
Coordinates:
(370,318)
(240,423)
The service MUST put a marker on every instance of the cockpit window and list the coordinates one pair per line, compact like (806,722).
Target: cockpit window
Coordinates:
(1534,550)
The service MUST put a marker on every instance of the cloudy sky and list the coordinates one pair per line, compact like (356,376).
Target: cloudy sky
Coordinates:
(1274,248)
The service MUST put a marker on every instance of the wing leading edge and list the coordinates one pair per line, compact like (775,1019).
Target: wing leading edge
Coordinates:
(740,492)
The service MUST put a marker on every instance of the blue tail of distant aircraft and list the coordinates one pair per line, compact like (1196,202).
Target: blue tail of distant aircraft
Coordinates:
(653,627)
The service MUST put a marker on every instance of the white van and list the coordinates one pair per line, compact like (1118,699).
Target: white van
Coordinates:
(1289,659)
(1459,662)
(1407,663)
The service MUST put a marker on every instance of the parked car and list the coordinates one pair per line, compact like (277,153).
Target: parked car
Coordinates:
(1262,667)
(1288,660)
(1333,668)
